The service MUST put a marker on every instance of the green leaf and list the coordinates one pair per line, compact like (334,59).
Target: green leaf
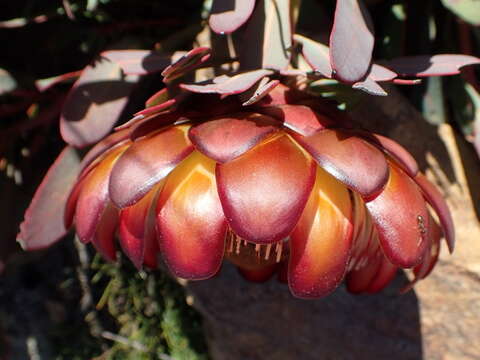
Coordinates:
(267,41)
(433,107)
(468,10)
(7,82)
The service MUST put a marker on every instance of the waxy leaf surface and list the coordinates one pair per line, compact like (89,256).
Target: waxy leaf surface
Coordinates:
(268,38)
(227,85)
(351,41)
(227,16)
(138,62)
(102,146)
(258,91)
(95,103)
(381,73)
(370,86)
(43,224)
(190,61)
(316,54)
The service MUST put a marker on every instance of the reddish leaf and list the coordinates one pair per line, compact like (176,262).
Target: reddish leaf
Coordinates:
(426,65)
(228,85)
(138,62)
(95,103)
(228,15)
(351,41)
(316,54)
(191,60)
(43,224)
(152,123)
(381,73)
(159,97)
(164,106)
(370,87)
(258,91)
(145,163)
(102,146)
(401,218)
(160,102)
(301,119)
(227,138)
(376,74)
(350,159)
(268,38)
(436,200)
(407,81)
(264,191)
(71,203)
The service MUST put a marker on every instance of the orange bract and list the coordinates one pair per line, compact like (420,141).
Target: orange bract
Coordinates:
(318,203)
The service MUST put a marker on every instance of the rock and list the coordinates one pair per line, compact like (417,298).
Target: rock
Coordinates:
(439,319)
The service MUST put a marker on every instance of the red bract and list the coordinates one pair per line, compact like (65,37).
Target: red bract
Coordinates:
(285,185)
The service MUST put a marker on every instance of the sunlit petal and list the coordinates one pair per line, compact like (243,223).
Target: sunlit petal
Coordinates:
(93,196)
(401,219)
(264,191)
(436,200)
(321,242)
(134,228)
(147,162)
(226,138)
(350,159)
(190,220)
(104,237)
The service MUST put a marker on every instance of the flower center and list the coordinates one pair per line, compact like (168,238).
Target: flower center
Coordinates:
(251,255)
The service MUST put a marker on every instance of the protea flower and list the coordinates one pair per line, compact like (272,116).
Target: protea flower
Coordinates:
(286,185)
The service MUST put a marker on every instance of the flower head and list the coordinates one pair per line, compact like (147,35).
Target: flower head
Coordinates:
(283,186)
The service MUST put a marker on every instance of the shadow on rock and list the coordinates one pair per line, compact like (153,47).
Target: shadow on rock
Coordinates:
(264,321)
